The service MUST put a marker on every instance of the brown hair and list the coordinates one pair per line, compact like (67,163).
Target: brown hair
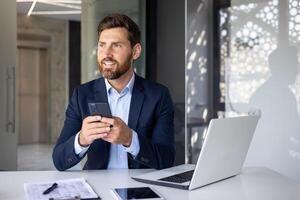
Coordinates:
(120,20)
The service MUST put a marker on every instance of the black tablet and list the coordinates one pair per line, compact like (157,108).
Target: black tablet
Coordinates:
(136,193)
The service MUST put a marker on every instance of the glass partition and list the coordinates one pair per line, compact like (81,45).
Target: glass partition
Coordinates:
(259,73)
(198,71)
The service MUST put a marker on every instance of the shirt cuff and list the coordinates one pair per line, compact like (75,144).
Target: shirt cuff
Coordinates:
(134,148)
(79,150)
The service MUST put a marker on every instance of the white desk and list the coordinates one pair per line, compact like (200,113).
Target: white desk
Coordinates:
(252,184)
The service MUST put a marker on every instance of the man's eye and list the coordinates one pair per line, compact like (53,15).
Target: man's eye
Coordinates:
(117,45)
(101,45)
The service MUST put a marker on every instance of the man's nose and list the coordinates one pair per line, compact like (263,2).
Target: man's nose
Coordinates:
(107,51)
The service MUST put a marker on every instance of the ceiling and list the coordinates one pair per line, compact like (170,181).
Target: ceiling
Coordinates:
(61,9)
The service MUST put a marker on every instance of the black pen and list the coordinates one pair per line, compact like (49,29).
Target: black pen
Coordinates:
(50,189)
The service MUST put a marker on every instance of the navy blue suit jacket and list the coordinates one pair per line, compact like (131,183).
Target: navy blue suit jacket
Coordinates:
(151,116)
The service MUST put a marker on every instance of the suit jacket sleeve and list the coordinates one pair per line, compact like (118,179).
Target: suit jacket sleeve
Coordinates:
(64,155)
(158,151)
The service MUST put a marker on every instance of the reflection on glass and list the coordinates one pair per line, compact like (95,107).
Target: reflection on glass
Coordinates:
(196,76)
(259,75)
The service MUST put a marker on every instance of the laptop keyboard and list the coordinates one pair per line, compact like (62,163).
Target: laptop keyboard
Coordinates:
(179,178)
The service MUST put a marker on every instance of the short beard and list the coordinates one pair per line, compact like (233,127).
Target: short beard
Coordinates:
(121,70)
(111,75)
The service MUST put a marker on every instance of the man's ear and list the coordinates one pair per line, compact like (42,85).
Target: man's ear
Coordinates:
(137,49)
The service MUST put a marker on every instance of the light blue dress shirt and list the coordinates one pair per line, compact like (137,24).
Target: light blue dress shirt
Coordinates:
(119,104)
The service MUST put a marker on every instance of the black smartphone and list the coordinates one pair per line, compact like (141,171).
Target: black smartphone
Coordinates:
(136,193)
(100,108)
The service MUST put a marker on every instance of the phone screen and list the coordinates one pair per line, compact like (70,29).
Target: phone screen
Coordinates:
(136,193)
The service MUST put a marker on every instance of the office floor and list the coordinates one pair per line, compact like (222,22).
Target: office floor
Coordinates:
(37,157)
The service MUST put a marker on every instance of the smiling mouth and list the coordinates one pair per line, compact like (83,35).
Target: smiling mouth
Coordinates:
(108,64)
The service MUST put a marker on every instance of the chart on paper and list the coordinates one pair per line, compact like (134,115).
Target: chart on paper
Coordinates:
(69,188)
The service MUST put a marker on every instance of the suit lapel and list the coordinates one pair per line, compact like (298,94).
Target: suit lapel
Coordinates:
(137,100)
(100,94)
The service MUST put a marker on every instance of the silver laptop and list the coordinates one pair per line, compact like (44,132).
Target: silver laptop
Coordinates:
(222,156)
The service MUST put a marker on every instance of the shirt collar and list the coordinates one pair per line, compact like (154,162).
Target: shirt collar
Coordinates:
(129,84)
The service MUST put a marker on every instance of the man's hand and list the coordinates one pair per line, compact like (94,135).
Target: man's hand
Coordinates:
(92,128)
(119,133)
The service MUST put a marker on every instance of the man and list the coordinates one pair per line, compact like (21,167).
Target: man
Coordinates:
(140,134)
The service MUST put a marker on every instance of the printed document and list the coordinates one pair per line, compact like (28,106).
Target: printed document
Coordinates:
(66,189)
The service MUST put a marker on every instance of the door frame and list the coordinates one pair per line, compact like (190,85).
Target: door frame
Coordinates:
(38,41)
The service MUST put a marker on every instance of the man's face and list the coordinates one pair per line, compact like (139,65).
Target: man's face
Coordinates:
(114,53)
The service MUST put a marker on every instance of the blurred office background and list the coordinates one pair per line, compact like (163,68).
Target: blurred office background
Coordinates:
(219,58)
